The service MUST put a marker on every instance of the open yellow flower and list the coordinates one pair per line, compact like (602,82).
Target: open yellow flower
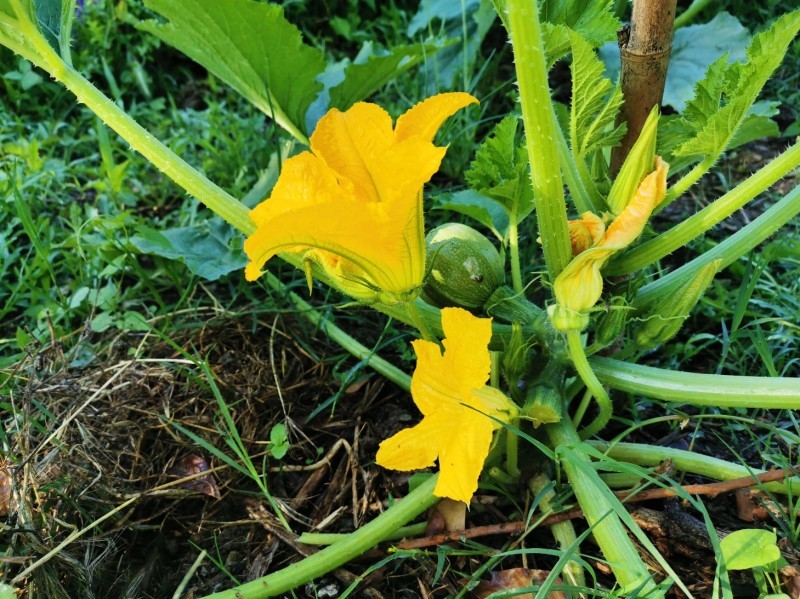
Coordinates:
(353,204)
(450,390)
(580,284)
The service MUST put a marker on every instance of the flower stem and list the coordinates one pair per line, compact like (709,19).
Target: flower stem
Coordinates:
(540,133)
(592,384)
(340,552)
(563,532)
(702,221)
(419,322)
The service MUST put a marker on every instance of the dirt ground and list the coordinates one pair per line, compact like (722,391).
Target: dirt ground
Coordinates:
(106,441)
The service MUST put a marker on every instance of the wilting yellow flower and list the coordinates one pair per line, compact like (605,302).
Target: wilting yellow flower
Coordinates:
(450,390)
(353,204)
(580,284)
(585,231)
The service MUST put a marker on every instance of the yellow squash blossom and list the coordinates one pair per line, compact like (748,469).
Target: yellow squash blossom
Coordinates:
(585,231)
(451,392)
(580,284)
(353,204)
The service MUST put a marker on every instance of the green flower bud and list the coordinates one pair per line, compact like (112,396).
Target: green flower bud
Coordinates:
(668,313)
(636,167)
(611,324)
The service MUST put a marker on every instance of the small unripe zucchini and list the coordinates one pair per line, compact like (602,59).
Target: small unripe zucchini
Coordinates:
(464,267)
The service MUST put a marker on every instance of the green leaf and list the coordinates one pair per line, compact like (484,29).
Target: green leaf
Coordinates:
(48,13)
(500,170)
(594,104)
(251,47)
(346,83)
(205,249)
(468,22)
(372,69)
(749,548)
(723,99)
(279,441)
(593,20)
(479,207)
(694,49)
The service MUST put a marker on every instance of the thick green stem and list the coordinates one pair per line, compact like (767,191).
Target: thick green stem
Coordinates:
(174,167)
(596,501)
(579,181)
(592,384)
(419,322)
(513,246)
(699,223)
(540,133)
(730,250)
(699,389)
(685,182)
(340,552)
(689,461)
(691,12)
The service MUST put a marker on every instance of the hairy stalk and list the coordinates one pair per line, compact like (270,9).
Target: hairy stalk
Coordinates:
(419,322)
(592,384)
(730,250)
(513,246)
(702,221)
(341,552)
(684,183)
(699,389)
(580,183)
(540,133)
(598,504)
(689,461)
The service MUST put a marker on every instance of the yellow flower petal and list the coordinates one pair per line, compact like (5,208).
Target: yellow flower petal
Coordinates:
(630,223)
(585,231)
(462,454)
(357,195)
(424,119)
(579,286)
(450,390)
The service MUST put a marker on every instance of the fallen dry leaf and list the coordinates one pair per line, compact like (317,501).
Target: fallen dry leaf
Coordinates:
(748,506)
(516,578)
(5,491)
(193,464)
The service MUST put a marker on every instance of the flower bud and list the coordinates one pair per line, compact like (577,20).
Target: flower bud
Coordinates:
(668,313)
(636,166)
